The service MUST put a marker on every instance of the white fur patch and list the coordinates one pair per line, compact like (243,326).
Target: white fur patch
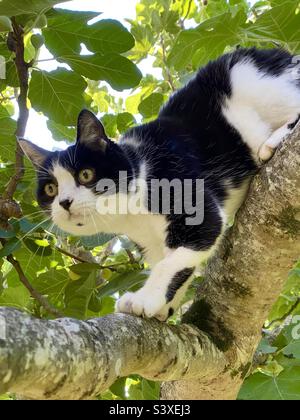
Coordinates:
(234,199)
(260,103)
(150,301)
(147,230)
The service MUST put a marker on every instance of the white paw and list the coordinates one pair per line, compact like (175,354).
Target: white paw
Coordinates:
(145,303)
(265,153)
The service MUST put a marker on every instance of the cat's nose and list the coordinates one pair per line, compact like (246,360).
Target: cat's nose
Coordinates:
(66,204)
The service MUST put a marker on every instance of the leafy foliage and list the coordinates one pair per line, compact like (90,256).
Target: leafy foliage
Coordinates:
(83,277)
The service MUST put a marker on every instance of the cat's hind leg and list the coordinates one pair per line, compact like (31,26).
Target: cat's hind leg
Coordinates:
(268,149)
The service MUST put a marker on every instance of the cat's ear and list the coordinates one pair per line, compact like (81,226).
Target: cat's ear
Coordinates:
(36,154)
(90,131)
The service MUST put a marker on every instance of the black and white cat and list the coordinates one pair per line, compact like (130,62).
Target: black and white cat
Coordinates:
(230,117)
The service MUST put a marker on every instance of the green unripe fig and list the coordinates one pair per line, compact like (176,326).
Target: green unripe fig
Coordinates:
(41,22)
(37,41)
(5,24)
(106,273)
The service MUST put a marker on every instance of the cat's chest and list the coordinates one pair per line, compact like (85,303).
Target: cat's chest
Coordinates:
(147,230)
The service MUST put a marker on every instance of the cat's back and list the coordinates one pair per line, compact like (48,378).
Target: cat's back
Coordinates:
(202,98)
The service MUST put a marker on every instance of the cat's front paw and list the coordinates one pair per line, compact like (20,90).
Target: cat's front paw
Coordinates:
(146,304)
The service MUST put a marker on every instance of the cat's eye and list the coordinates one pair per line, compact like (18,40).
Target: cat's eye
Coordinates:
(86,175)
(51,190)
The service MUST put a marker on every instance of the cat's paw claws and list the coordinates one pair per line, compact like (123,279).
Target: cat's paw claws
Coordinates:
(144,304)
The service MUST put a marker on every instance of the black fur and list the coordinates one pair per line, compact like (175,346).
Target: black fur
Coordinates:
(178,280)
(190,139)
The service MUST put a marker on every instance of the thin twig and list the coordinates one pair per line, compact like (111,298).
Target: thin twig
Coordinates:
(75,257)
(34,293)
(130,256)
(164,54)
(68,254)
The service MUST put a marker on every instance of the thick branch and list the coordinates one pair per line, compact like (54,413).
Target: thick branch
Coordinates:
(69,359)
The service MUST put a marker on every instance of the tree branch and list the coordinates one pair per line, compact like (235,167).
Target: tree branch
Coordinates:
(70,359)
(208,358)
(23,76)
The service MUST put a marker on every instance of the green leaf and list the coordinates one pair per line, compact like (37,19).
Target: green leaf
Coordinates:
(293,349)
(8,127)
(58,94)
(119,388)
(125,120)
(286,386)
(7,234)
(169,21)
(142,389)
(280,23)
(84,268)
(150,106)
(17,7)
(107,305)
(207,41)
(150,389)
(28,227)
(32,264)
(101,238)
(77,296)
(52,283)
(17,297)
(66,30)
(115,69)
(33,246)
(265,348)
(11,246)
(132,103)
(61,133)
(5,24)
(289,339)
(288,297)
(122,282)
(110,123)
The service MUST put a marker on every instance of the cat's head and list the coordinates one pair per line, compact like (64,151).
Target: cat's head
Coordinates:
(67,180)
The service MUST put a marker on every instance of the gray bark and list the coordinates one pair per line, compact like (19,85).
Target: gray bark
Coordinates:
(210,355)
(71,359)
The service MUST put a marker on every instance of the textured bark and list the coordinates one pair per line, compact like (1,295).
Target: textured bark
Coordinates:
(243,281)
(207,359)
(70,359)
